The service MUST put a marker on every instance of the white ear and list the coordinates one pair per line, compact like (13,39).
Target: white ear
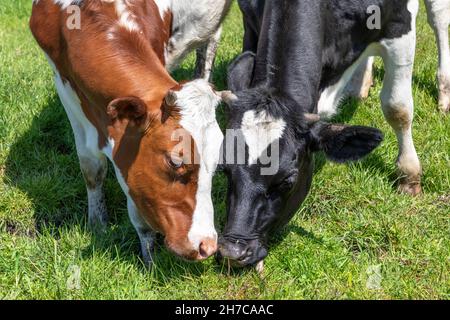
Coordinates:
(171,98)
(227,96)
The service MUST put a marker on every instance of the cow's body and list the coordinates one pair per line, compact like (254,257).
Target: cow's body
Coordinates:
(439,19)
(306,52)
(124,106)
(195,25)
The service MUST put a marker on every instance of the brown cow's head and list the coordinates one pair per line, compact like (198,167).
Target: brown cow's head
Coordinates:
(167,160)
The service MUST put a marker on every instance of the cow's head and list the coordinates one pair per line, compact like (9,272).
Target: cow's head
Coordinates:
(167,159)
(269,181)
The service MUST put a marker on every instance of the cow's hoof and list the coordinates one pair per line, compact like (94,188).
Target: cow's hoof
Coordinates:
(260,267)
(147,259)
(411,188)
(444,106)
(98,225)
(148,264)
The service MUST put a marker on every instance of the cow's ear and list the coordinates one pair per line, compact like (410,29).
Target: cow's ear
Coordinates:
(132,109)
(343,143)
(240,72)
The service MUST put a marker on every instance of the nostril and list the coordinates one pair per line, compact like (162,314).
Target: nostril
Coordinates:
(207,248)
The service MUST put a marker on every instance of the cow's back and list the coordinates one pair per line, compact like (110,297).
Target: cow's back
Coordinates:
(348,32)
(123,49)
(45,24)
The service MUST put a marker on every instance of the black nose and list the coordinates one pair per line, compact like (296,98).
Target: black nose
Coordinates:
(234,250)
(241,253)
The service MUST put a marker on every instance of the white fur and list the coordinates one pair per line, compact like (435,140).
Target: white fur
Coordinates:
(194,24)
(332,96)
(126,18)
(362,81)
(260,131)
(163,6)
(198,102)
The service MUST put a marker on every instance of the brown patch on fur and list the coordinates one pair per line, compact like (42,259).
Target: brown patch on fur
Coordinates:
(398,117)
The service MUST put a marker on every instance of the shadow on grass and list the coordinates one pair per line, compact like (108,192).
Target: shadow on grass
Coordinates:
(42,163)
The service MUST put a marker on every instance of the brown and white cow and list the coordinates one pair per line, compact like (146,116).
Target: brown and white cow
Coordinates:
(124,106)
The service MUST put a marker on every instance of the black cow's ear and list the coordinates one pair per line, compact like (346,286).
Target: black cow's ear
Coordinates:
(240,72)
(343,143)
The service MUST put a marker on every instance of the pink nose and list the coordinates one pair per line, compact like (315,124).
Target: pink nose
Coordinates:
(207,248)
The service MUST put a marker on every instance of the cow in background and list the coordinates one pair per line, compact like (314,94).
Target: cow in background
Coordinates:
(194,25)
(439,19)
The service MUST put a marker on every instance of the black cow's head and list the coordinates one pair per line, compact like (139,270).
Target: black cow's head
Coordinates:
(268,154)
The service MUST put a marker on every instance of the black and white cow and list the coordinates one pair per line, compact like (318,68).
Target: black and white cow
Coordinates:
(439,19)
(305,53)
(196,25)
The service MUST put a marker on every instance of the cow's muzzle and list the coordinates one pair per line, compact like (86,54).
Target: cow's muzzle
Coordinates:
(241,253)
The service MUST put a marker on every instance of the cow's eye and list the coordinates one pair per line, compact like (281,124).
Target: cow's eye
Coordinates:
(280,188)
(175,162)
(286,184)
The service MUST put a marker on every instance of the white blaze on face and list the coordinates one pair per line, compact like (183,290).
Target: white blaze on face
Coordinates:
(260,130)
(197,102)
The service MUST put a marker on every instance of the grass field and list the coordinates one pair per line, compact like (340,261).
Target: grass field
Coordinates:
(355,237)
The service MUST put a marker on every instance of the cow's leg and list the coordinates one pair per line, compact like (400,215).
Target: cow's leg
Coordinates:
(146,234)
(94,169)
(206,56)
(92,161)
(93,166)
(398,107)
(439,18)
(362,80)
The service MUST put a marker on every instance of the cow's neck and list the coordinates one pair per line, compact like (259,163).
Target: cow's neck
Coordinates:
(290,50)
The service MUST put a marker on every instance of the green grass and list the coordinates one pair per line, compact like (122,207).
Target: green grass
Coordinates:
(352,221)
